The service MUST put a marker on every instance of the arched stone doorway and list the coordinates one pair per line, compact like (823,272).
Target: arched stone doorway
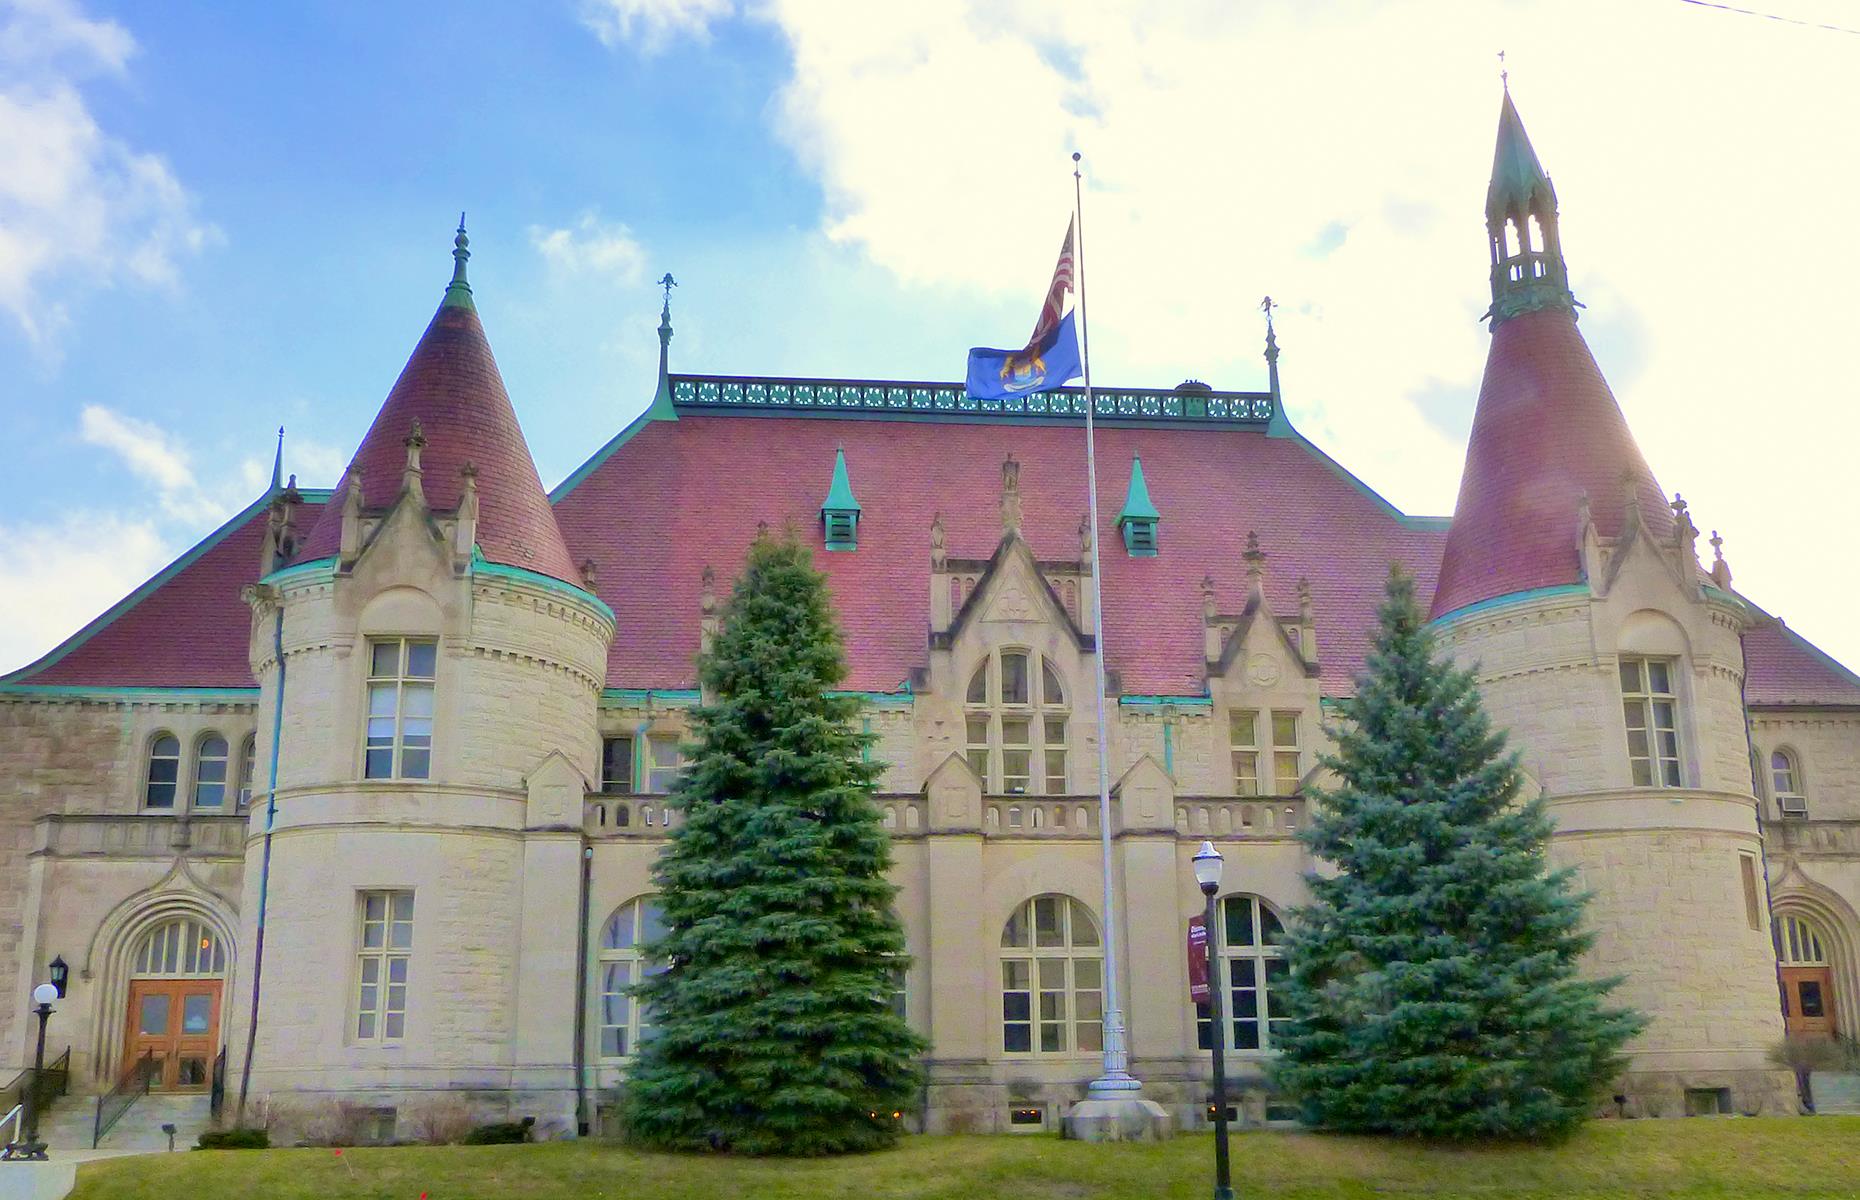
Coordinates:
(177,975)
(1804,955)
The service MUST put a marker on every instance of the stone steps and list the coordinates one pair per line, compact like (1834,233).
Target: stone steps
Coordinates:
(69,1124)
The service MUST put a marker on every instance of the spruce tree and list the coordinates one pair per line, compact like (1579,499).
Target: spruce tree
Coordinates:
(1434,987)
(773,1031)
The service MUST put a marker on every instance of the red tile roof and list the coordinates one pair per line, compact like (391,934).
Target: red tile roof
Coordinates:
(452,387)
(1782,667)
(1546,431)
(682,495)
(184,628)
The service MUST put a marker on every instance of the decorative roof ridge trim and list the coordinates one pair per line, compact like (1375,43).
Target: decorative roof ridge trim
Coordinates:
(119,692)
(1158,701)
(110,615)
(483,566)
(1524,597)
(614,695)
(573,480)
(906,398)
(1342,472)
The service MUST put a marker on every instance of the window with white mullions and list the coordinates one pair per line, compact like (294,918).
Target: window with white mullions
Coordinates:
(383,962)
(401,673)
(1052,979)
(163,778)
(1253,968)
(1650,706)
(664,763)
(1016,733)
(621,964)
(210,764)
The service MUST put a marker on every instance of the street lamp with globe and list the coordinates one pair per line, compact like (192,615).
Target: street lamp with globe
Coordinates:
(29,1148)
(1208,863)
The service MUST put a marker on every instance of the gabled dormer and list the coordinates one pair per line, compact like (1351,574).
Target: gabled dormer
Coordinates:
(839,513)
(1256,644)
(1138,518)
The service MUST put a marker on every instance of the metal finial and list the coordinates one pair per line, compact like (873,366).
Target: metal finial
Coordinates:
(458,292)
(1266,306)
(668,283)
(1504,76)
(277,462)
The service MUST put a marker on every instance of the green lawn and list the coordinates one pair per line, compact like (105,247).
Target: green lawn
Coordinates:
(1719,1157)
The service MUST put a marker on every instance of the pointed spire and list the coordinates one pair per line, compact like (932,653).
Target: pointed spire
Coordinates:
(661,407)
(1137,520)
(1255,563)
(277,464)
(839,513)
(1010,496)
(1272,351)
(1528,271)
(458,292)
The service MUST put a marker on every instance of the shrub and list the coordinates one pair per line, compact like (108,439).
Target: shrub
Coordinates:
(441,1121)
(235,1139)
(501,1133)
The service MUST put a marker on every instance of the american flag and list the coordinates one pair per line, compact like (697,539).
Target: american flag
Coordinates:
(1051,311)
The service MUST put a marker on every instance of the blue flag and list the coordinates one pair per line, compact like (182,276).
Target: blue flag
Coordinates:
(1050,362)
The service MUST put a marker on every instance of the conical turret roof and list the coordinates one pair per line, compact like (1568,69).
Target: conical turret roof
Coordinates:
(1518,179)
(1546,433)
(452,388)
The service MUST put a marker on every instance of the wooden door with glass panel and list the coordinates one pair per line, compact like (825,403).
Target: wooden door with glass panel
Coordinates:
(1807,977)
(177,1022)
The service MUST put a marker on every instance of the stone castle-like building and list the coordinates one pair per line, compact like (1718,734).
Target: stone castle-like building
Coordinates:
(468,695)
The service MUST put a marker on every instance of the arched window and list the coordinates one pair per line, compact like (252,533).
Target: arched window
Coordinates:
(1052,979)
(1017,736)
(1798,942)
(164,773)
(248,755)
(1253,966)
(1807,976)
(623,963)
(210,765)
(1786,783)
(179,948)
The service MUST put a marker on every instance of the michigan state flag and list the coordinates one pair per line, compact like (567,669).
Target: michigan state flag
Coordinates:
(1051,357)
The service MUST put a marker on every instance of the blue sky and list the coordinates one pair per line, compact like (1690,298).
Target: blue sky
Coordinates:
(215,219)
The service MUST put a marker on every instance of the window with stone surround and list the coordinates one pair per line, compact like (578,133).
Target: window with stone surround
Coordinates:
(617,765)
(383,960)
(163,777)
(1650,706)
(1052,979)
(1786,783)
(1015,732)
(248,767)
(664,762)
(620,965)
(401,673)
(1253,966)
(211,755)
(1244,727)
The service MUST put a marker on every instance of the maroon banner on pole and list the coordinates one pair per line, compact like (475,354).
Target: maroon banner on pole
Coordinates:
(1198,960)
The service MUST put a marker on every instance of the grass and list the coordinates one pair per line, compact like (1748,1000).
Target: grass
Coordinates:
(1722,1157)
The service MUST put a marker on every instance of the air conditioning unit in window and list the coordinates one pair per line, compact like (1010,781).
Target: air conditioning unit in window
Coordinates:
(1793,806)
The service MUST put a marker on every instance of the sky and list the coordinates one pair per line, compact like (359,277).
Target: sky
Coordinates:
(218,219)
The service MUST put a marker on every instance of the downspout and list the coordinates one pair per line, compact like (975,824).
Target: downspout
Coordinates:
(583,1112)
(264,870)
(1763,854)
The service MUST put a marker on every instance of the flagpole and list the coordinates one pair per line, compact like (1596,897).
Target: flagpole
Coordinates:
(1116,1078)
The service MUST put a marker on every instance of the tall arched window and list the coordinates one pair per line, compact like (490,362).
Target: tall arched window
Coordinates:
(1253,967)
(180,948)
(623,963)
(248,756)
(164,773)
(210,765)
(1786,782)
(1017,732)
(1052,979)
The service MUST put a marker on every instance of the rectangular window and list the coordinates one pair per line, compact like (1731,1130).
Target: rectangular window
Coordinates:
(1651,709)
(1285,772)
(1057,783)
(400,708)
(978,748)
(617,766)
(248,756)
(382,965)
(664,763)
(1016,755)
(1753,912)
(1015,686)
(1243,736)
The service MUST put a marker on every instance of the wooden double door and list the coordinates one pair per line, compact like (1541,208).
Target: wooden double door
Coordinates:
(1808,1001)
(178,1022)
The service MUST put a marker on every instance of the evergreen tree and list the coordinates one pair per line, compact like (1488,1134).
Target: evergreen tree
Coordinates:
(773,1031)
(1433,981)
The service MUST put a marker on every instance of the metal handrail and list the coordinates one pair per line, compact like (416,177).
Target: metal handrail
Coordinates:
(133,1085)
(54,1081)
(15,1116)
(217,1093)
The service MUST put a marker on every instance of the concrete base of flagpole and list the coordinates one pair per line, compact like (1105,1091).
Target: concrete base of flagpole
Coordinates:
(1122,1115)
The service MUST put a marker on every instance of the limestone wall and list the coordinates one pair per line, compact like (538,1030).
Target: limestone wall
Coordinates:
(1826,746)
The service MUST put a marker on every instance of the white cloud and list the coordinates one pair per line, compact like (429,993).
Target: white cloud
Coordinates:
(156,456)
(1336,156)
(59,575)
(590,245)
(78,208)
(652,24)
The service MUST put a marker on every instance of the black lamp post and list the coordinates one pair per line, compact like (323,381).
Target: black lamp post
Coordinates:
(29,1148)
(1208,874)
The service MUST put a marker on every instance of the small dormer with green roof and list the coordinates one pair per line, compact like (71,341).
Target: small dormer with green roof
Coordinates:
(839,515)
(1138,519)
